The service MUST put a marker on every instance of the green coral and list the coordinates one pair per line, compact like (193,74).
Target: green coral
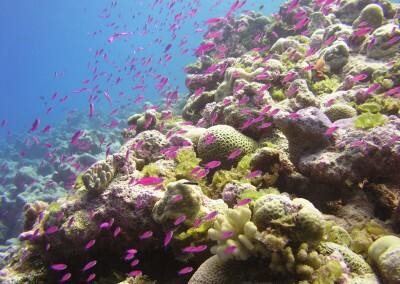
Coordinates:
(369,120)
(363,236)
(384,253)
(98,176)
(370,107)
(195,233)
(325,86)
(355,262)
(278,94)
(239,173)
(254,195)
(187,161)
(227,139)
(387,104)
(167,210)
(340,111)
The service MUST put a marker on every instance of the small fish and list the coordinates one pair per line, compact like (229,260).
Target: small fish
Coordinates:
(244,202)
(265,125)
(330,131)
(177,198)
(66,277)
(89,265)
(35,125)
(135,273)
(234,154)
(359,77)
(294,115)
(134,262)
(76,137)
(59,266)
(149,181)
(227,234)
(117,231)
(393,91)
(129,257)
(104,225)
(209,139)
(91,277)
(371,43)
(46,129)
(253,174)
(51,230)
(180,220)
(288,78)
(168,238)
(90,244)
(212,164)
(132,251)
(185,270)
(230,250)
(91,110)
(194,249)
(301,24)
(210,215)
(146,235)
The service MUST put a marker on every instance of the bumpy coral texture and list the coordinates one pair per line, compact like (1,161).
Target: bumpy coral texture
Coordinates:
(385,255)
(227,139)
(340,111)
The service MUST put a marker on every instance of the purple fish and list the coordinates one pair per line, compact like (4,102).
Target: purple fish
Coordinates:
(234,154)
(117,231)
(91,277)
(244,202)
(51,230)
(146,235)
(330,131)
(35,125)
(180,220)
(66,277)
(59,267)
(168,238)
(89,265)
(76,137)
(227,234)
(135,273)
(212,164)
(90,244)
(134,262)
(185,270)
(211,215)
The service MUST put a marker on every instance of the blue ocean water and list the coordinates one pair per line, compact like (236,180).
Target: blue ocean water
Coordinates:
(71,66)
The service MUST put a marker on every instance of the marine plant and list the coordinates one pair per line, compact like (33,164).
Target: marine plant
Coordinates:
(369,120)
(325,86)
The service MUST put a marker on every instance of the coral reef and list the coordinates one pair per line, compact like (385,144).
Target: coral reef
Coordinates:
(282,161)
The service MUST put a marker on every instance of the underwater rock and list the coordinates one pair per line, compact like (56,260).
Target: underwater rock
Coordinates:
(231,192)
(385,42)
(336,56)
(372,16)
(311,123)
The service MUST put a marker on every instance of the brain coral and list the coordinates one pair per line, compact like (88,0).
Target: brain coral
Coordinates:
(226,140)
(340,111)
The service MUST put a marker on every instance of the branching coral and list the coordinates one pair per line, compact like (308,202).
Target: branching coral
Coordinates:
(235,235)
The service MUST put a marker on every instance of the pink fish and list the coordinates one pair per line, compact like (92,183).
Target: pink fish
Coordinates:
(359,77)
(393,91)
(66,277)
(330,131)
(46,129)
(230,250)
(210,215)
(91,277)
(393,40)
(177,198)
(234,154)
(180,220)
(104,225)
(371,43)
(274,112)
(185,270)
(135,273)
(209,139)
(362,31)
(89,265)
(212,164)
(168,238)
(59,266)
(90,244)
(292,5)
(129,257)
(146,235)
(149,181)
(76,136)
(214,21)
(253,174)
(198,92)
(194,249)
(227,234)
(117,231)
(35,125)
(91,110)
(289,77)
(244,202)
(51,230)
(203,48)
(294,115)
(301,23)
(107,96)
(372,88)
(134,262)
